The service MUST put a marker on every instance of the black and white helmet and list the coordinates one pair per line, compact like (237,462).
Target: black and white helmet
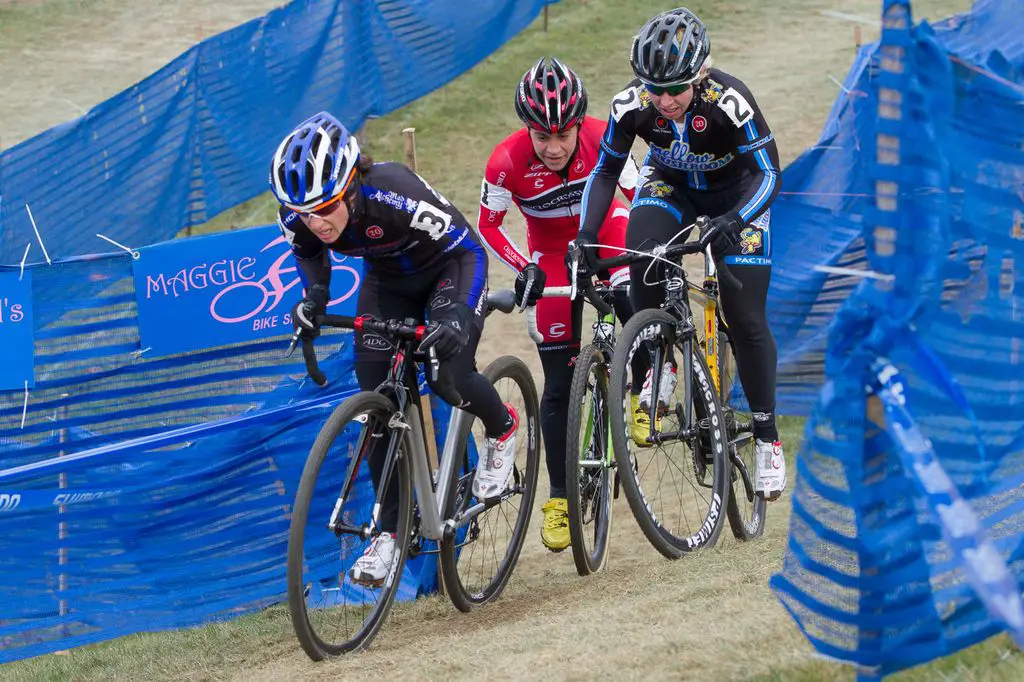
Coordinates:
(670,49)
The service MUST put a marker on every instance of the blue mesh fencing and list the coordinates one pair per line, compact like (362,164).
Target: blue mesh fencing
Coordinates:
(145,494)
(141,493)
(195,138)
(906,537)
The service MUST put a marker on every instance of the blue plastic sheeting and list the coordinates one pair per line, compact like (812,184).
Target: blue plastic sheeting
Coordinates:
(195,138)
(152,494)
(907,513)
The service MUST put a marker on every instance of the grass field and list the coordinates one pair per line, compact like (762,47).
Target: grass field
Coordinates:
(706,617)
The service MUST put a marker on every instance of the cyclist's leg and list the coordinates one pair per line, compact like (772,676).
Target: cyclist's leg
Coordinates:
(478,395)
(373,359)
(557,322)
(658,212)
(745,312)
(613,234)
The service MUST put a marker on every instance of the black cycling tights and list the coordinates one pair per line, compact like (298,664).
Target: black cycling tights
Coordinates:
(744,310)
(412,296)
(559,362)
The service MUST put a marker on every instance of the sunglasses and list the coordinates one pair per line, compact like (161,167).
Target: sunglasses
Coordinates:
(672,90)
(323,210)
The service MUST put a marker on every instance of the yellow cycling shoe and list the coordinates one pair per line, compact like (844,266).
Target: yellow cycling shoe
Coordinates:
(640,426)
(555,531)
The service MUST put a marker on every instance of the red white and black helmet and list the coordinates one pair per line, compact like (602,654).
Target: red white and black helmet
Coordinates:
(551,97)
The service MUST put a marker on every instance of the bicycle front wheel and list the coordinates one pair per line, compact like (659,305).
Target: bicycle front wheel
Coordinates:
(478,558)
(589,462)
(746,510)
(332,526)
(671,454)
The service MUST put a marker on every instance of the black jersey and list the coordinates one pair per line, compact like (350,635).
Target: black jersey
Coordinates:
(722,145)
(399,225)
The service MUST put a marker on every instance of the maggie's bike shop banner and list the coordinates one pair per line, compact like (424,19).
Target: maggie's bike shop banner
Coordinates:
(226,288)
(16,339)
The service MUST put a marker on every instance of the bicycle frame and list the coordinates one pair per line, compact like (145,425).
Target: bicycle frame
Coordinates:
(408,422)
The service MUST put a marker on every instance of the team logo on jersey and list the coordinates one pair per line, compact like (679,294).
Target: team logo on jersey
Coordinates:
(661,122)
(711,92)
(374,232)
(750,240)
(659,189)
(578,166)
(645,98)
(680,156)
(698,123)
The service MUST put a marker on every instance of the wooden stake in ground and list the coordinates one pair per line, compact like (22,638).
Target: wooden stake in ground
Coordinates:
(428,405)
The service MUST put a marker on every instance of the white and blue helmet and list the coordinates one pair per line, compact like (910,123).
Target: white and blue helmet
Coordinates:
(314,163)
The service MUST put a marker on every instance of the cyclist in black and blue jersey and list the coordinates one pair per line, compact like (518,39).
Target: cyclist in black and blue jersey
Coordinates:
(421,259)
(711,153)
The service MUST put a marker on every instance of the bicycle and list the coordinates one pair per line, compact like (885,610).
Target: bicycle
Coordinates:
(685,431)
(337,512)
(591,485)
(746,509)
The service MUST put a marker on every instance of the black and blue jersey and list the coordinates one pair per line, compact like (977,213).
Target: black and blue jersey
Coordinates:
(400,226)
(722,146)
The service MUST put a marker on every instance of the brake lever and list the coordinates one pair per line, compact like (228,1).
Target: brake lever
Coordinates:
(435,365)
(526,291)
(294,344)
(574,270)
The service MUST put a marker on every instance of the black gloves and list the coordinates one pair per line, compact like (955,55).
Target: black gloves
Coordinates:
(587,258)
(305,311)
(445,337)
(536,288)
(722,233)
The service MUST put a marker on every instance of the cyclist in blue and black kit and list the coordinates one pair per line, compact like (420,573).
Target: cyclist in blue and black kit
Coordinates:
(421,260)
(711,153)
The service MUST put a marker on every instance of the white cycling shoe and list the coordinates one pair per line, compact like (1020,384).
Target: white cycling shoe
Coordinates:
(665,390)
(496,462)
(372,568)
(770,477)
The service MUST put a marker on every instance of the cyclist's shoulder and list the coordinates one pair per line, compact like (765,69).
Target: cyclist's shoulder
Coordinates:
(723,80)
(632,105)
(387,175)
(726,100)
(511,156)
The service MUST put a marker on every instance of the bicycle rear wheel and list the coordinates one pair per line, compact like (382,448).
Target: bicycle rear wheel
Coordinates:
(677,481)
(746,511)
(478,558)
(589,462)
(331,614)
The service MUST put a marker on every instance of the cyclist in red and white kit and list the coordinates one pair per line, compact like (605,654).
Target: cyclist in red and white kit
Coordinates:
(543,169)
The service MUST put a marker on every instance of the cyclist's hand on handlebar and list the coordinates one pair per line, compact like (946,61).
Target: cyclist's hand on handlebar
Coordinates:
(721,233)
(305,312)
(587,256)
(536,287)
(445,337)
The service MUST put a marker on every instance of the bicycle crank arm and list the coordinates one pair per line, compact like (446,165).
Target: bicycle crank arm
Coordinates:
(463,518)
(662,437)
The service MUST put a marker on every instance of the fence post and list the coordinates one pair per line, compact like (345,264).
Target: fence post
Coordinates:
(428,409)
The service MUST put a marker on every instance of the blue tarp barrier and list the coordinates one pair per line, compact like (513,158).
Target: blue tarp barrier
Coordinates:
(906,540)
(145,492)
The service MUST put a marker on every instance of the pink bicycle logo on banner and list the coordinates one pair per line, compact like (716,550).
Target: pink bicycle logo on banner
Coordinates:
(246,299)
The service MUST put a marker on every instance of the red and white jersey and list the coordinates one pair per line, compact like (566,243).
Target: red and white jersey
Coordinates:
(549,200)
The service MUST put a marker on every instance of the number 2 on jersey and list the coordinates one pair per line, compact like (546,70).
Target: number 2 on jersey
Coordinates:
(735,107)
